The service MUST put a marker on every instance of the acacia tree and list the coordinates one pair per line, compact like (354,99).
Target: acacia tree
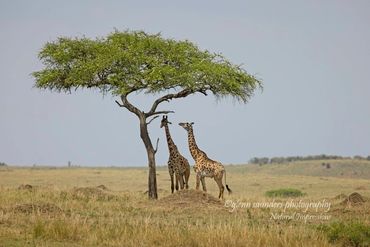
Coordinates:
(125,62)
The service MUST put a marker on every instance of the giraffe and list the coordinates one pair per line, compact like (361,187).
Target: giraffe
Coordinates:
(177,164)
(204,166)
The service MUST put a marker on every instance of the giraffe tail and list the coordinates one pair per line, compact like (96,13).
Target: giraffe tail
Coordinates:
(227,186)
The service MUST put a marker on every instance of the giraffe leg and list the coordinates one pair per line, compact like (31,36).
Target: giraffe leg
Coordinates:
(197,182)
(177,181)
(172,186)
(203,180)
(181,180)
(187,175)
(220,187)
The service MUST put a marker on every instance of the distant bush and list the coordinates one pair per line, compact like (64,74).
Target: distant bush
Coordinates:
(358,157)
(280,160)
(288,192)
(348,233)
(3,164)
(260,161)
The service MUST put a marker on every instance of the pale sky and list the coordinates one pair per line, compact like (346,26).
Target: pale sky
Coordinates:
(313,58)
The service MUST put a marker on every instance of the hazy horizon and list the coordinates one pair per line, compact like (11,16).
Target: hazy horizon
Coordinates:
(312,56)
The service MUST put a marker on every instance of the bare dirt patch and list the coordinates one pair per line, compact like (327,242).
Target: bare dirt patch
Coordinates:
(191,198)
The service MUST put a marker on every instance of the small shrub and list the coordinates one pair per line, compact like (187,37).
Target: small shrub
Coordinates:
(3,164)
(348,233)
(288,192)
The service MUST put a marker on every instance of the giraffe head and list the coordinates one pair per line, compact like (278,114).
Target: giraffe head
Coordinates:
(187,126)
(165,121)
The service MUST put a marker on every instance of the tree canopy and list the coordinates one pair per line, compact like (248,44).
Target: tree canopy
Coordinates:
(132,61)
(124,62)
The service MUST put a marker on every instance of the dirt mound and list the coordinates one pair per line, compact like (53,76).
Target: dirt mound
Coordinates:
(191,198)
(102,187)
(353,199)
(25,187)
(96,193)
(45,208)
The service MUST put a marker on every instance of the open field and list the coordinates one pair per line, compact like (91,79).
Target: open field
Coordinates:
(65,207)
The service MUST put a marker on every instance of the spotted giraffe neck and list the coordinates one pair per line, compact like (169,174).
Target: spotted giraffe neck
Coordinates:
(194,150)
(171,145)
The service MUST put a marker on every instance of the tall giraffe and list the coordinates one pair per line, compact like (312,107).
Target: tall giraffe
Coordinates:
(204,166)
(177,164)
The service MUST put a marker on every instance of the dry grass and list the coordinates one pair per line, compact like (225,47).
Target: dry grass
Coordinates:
(191,198)
(37,208)
(109,207)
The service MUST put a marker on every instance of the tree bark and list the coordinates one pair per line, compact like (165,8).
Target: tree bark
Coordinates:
(152,176)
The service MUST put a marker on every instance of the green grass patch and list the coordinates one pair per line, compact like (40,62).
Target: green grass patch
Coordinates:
(285,192)
(347,233)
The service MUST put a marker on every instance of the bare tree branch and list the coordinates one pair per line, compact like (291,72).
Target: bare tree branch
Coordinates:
(156,146)
(119,104)
(203,91)
(182,94)
(152,119)
(158,113)
(125,103)
(167,98)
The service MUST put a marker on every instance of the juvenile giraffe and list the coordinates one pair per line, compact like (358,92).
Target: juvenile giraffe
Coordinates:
(204,166)
(177,164)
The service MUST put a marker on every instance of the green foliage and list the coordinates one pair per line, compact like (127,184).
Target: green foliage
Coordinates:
(289,192)
(130,61)
(347,233)
(3,164)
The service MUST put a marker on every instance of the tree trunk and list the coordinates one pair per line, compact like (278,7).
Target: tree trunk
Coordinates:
(152,179)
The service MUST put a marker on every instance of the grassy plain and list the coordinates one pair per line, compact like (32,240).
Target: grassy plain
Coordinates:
(65,207)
